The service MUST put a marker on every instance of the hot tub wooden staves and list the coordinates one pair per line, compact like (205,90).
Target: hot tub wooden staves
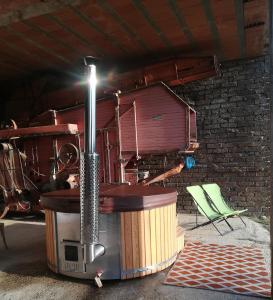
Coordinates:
(144,220)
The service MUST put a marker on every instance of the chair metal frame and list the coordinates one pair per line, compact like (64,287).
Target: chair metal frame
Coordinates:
(216,209)
(219,219)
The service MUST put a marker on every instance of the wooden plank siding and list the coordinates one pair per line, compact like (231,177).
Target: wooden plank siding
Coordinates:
(148,239)
(50,241)
(124,30)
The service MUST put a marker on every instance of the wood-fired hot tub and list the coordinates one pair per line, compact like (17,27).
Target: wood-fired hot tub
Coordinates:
(137,226)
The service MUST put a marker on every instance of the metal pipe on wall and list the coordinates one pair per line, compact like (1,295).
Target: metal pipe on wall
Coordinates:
(89,171)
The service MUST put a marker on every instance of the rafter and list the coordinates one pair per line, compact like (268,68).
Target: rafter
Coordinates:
(36,44)
(142,9)
(49,35)
(123,24)
(213,28)
(239,10)
(98,51)
(182,23)
(23,52)
(87,20)
(17,12)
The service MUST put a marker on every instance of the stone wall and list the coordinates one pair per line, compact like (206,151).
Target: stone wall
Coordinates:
(233,119)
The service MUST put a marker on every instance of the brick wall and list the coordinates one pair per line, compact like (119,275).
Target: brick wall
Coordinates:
(233,119)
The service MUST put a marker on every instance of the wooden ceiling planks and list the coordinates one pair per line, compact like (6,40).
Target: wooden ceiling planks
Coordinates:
(141,8)
(225,19)
(11,68)
(109,44)
(67,50)
(12,11)
(179,16)
(127,29)
(137,21)
(19,51)
(196,19)
(160,12)
(9,57)
(14,5)
(103,17)
(52,50)
(75,27)
(33,47)
(60,31)
(129,33)
(213,29)
(256,26)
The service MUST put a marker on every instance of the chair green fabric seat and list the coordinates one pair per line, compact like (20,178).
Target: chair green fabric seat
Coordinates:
(202,203)
(205,208)
(214,193)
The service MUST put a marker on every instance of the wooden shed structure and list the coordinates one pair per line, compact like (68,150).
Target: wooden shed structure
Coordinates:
(144,47)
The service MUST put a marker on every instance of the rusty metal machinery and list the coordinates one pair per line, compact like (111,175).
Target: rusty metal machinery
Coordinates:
(172,71)
(149,118)
(130,125)
(68,155)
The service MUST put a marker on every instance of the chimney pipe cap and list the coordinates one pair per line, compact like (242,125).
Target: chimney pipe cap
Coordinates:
(90,60)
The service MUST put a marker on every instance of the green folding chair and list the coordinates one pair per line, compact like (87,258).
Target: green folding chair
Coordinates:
(205,209)
(214,193)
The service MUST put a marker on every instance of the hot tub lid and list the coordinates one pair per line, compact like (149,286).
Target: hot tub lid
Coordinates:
(113,198)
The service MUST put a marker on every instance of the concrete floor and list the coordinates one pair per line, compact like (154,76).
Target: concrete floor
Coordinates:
(24,273)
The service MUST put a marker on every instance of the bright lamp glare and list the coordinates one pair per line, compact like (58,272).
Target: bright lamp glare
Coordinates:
(93,79)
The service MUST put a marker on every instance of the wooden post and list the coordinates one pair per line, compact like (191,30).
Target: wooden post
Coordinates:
(271,109)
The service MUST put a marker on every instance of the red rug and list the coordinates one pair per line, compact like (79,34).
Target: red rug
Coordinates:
(228,268)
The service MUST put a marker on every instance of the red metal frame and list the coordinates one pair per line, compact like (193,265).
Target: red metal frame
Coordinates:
(130,125)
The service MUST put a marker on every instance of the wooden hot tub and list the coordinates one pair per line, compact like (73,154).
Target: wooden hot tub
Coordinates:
(137,226)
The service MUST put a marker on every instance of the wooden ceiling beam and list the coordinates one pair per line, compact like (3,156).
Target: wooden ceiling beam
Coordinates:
(256,20)
(143,11)
(239,10)
(213,28)
(18,11)
(105,6)
(6,65)
(11,57)
(23,52)
(50,36)
(97,50)
(87,20)
(36,44)
(182,23)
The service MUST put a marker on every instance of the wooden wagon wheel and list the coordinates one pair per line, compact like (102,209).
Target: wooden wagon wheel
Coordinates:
(68,155)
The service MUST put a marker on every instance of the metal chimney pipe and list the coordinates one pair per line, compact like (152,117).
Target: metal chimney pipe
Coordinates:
(90,112)
(89,173)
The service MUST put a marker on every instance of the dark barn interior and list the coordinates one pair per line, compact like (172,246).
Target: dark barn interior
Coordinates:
(39,63)
(206,62)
